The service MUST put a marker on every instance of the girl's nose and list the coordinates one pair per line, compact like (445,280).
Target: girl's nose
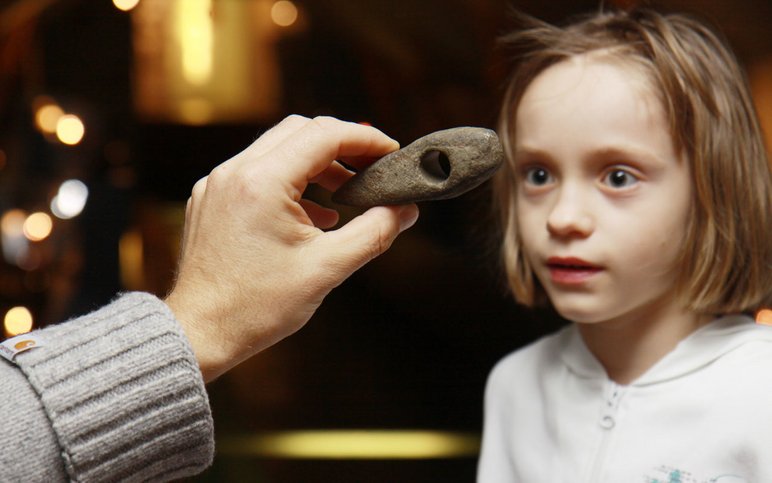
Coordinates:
(570,216)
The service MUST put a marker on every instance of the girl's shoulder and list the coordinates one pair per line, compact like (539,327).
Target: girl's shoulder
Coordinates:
(534,358)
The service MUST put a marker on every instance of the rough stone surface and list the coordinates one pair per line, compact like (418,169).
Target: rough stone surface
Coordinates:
(438,166)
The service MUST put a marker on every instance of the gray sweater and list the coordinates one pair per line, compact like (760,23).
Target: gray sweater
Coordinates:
(115,395)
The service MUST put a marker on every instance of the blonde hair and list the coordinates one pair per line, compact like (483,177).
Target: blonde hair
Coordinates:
(726,256)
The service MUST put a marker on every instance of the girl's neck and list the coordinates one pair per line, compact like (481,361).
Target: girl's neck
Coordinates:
(629,346)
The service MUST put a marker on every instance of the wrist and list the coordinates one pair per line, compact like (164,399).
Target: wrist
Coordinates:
(213,359)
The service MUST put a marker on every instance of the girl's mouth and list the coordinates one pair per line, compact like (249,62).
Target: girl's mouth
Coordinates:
(571,270)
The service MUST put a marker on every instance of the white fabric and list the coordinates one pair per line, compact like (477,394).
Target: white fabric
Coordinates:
(701,414)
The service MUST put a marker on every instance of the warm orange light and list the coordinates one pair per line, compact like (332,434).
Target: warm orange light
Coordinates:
(47,116)
(12,223)
(207,61)
(38,226)
(195,34)
(284,13)
(18,320)
(125,5)
(764,316)
(196,111)
(70,129)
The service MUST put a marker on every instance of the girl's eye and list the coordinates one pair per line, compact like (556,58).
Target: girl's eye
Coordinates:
(537,176)
(619,178)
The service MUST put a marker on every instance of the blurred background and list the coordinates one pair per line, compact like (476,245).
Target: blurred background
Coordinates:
(110,110)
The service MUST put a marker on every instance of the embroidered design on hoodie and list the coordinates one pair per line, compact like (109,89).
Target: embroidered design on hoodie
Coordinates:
(666,474)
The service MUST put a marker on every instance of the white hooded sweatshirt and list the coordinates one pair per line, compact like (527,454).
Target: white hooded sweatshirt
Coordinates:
(702,414)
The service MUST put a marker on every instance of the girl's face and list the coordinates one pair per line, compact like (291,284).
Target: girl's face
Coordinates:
(603,196)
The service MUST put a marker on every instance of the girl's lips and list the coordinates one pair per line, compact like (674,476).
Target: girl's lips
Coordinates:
(570,270)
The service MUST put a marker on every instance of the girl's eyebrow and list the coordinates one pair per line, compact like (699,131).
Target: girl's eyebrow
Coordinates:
(624,153)
(531,153)
(620,153)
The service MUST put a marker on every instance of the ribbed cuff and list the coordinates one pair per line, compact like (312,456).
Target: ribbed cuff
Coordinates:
(124,394)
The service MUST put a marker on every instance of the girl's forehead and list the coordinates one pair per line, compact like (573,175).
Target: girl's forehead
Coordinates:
(590,85)
(591,73)
(589,102)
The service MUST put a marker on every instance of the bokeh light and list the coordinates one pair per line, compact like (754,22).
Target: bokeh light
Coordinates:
(764,316)
(125,5)
(12,223)
(70,129)
(38,226)
(47,114)
(355,444)
(15,246)
(284,13)
(195,33)
(70,199)
(18,320)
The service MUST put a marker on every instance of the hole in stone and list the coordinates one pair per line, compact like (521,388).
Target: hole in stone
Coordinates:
(436,164)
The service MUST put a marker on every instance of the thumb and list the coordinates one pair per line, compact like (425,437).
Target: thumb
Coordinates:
(367,236)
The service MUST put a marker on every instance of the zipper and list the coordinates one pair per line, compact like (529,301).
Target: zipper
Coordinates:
(607,420)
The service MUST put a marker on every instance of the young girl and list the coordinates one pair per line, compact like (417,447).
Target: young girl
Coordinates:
(636,200)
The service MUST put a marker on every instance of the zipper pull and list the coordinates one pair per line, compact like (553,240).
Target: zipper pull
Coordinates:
(611,404)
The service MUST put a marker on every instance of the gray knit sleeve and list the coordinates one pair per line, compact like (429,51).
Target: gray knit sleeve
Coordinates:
(122,393)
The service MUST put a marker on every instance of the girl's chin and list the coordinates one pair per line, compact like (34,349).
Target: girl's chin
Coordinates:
(582,314)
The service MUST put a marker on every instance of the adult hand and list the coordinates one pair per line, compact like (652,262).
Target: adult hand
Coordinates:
(255,262)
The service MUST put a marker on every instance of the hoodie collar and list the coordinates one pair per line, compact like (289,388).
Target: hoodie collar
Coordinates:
(696,351)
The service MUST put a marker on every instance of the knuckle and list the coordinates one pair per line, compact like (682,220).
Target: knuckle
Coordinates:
(293,120)
(219,172)
(223,176)
(325,122)
(380,243)
(323,119)
(296,118)
(199,188)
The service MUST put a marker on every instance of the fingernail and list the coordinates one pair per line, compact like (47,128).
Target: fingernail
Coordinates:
(407,217)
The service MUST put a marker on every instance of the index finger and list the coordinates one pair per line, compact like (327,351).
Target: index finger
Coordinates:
(311,149)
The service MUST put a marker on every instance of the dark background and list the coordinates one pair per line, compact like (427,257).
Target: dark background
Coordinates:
(408,341)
